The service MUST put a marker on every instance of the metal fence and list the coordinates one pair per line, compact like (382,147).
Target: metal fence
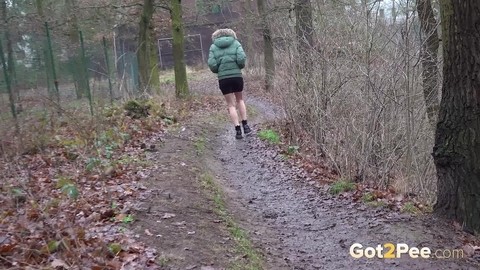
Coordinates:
(46,68)
(194,51)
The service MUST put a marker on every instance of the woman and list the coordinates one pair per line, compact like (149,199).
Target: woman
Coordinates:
(227,59)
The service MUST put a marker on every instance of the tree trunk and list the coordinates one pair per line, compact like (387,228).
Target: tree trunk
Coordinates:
(429,58)
(147,52)
(249,19)
(305,65)
(304,29)
(4,66)
(10,53)
(268,51)
(42,48)
(78,70)
(181,83)
(457,140)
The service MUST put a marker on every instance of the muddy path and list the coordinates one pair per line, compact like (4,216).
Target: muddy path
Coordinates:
(299,225)
(260,204)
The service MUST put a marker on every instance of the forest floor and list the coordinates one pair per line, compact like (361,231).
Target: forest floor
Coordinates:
(190,196)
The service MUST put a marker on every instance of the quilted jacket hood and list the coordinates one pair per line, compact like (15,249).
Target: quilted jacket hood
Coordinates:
(224,33)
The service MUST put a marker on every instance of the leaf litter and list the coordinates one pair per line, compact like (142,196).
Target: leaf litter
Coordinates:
(68,206)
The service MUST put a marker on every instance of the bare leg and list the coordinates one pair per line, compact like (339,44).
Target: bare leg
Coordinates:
(232,111)
(241,105)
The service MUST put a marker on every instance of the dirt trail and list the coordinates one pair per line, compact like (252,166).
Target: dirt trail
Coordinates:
(300,226)
(178,215)
(294,224)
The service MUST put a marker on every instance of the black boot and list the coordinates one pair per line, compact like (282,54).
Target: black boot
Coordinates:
(238,131)
(246,129)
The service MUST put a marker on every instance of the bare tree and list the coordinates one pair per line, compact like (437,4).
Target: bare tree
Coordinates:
(269,60)
(305,34)
(429,58)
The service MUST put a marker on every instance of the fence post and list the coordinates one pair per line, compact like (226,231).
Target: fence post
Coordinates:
(108,69)
(52,65)
(9,89)
(84,62)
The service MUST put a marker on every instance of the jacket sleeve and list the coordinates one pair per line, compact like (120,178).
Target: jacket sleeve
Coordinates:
(212,61)
(241,56)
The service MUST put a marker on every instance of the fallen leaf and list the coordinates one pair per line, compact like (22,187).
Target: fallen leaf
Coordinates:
(6,248)
(457,226)
(179,223)
(399,198)
(469,250)
(168,215)
(59,263)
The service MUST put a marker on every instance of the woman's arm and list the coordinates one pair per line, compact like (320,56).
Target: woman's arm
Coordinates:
(241,56)
(212,61)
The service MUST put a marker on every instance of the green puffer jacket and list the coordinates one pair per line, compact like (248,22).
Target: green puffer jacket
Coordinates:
(226,56)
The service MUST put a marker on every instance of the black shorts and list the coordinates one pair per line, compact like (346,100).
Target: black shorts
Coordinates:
(231,85)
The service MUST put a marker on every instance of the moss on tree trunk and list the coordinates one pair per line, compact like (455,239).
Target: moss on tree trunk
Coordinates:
(147,52)
(181,83)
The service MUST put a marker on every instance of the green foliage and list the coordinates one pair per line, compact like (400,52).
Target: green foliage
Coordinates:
(377,204)
(128,219)
(199,146)
(108,141)
(169,121)
(111,111)
(67,187)
(137,108)
(115,248)
(410,208)
(368,197)
(19,195)
(243,244)
(163,261)
(292,149)
(71,191)
(17,192)
(168,78)
(92,163)
(53,246)
(341,186)
(270,136)
(63,181)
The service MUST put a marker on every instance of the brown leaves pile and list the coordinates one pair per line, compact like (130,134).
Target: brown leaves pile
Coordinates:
(68,206)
